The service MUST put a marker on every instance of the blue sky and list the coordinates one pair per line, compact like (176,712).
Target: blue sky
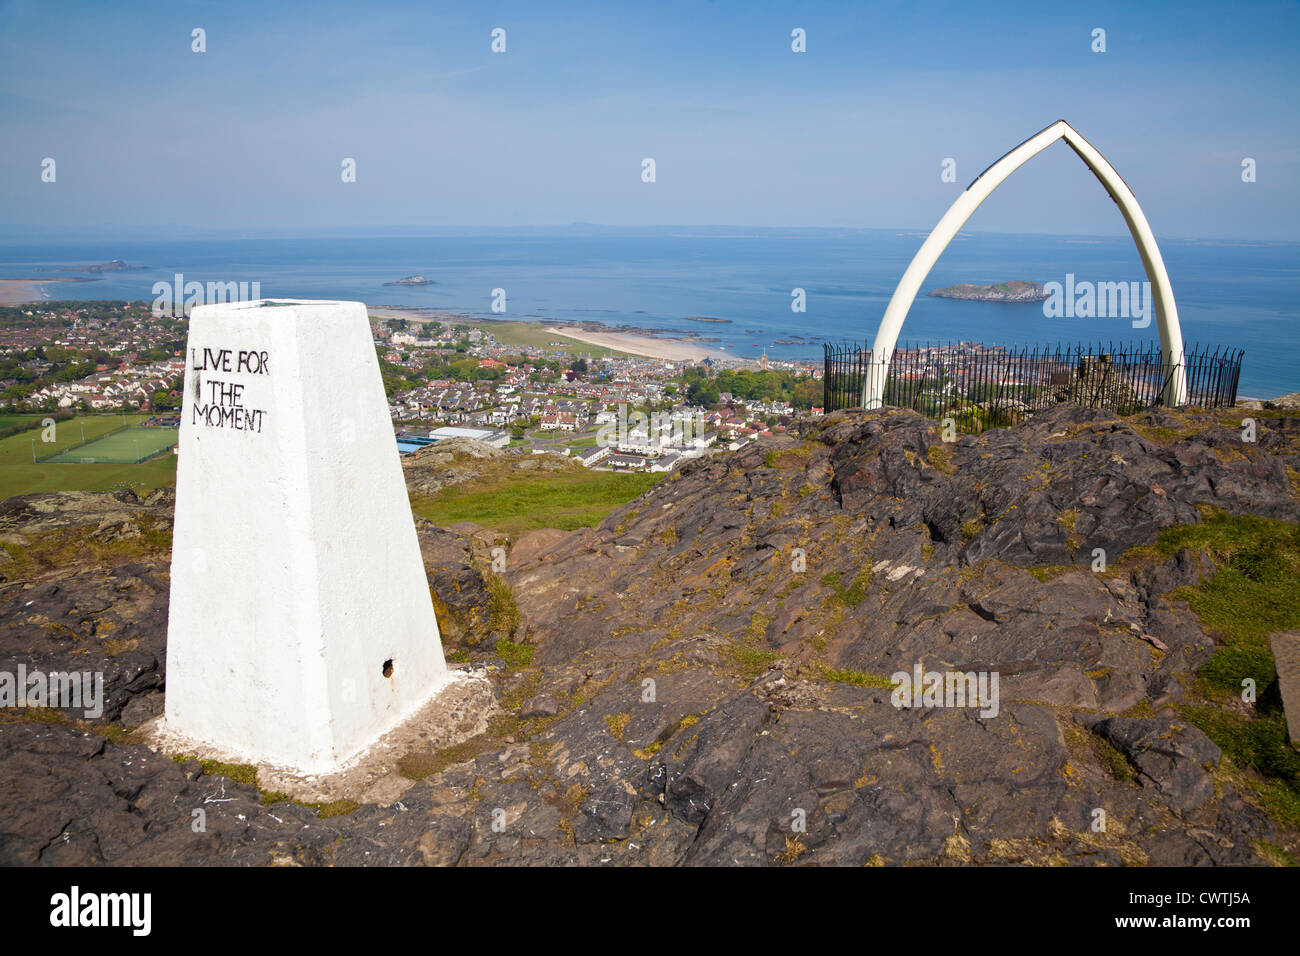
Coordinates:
(249,136)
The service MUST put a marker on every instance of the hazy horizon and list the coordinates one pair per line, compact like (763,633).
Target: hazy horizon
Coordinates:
(11,232)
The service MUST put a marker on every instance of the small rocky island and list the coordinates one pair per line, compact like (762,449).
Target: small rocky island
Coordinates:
(1017,290)
(412,280)
(706,318)
(113,265)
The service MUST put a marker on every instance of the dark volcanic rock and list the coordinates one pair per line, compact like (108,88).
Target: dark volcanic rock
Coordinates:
(104,615)
(1173,757)
(711,667)
(457,582)
(68,797)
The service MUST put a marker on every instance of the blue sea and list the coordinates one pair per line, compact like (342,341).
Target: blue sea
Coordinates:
(1238,294)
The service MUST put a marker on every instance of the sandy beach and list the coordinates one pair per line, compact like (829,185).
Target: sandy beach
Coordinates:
(674,350)
(20,291)
(631,343)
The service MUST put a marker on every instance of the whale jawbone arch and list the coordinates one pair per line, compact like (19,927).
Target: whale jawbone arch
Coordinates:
(1171,336)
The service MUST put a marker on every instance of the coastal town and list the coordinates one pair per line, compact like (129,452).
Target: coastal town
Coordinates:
(532,390)
(608,410)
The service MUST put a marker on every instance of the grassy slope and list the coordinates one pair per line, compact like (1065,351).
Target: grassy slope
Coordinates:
(1254,592)
(16,418)
(521,501)
(20,476)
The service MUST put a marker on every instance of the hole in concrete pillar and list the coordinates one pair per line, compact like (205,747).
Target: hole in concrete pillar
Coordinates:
(388,668)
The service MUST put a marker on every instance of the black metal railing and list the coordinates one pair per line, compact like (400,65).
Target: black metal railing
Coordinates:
(987,385)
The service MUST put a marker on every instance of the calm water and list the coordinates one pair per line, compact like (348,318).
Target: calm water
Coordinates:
(1234,294)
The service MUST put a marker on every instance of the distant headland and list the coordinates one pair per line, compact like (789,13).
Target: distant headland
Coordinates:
(1017,290)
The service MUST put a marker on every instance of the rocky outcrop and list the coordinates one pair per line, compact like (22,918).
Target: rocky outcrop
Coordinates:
(458,460)
(705,677)
(83,587)
(112,513)
(1174,758)
(459,584)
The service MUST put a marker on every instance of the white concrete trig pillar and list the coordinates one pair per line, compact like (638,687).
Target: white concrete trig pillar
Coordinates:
(301,625)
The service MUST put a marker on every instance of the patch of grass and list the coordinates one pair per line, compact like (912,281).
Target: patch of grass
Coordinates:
(238,772)
(516,656)
(1275,855)
(852,595)
(516,501)
(790,457)
(502,608)
(971,528)
(337,808)
(1112,759)
(1083,744)
(857,678)
(1067,518)
(751,661)
(1261,743)
(757,629)
(113,733)
(1254,592)
(1161,435)
(1048,571)
(618,723)
(941,458)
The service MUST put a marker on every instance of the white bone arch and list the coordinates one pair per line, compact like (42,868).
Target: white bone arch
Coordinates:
(1171,335)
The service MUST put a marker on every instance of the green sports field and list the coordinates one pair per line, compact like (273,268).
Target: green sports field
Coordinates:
(126,446)
(20,475)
